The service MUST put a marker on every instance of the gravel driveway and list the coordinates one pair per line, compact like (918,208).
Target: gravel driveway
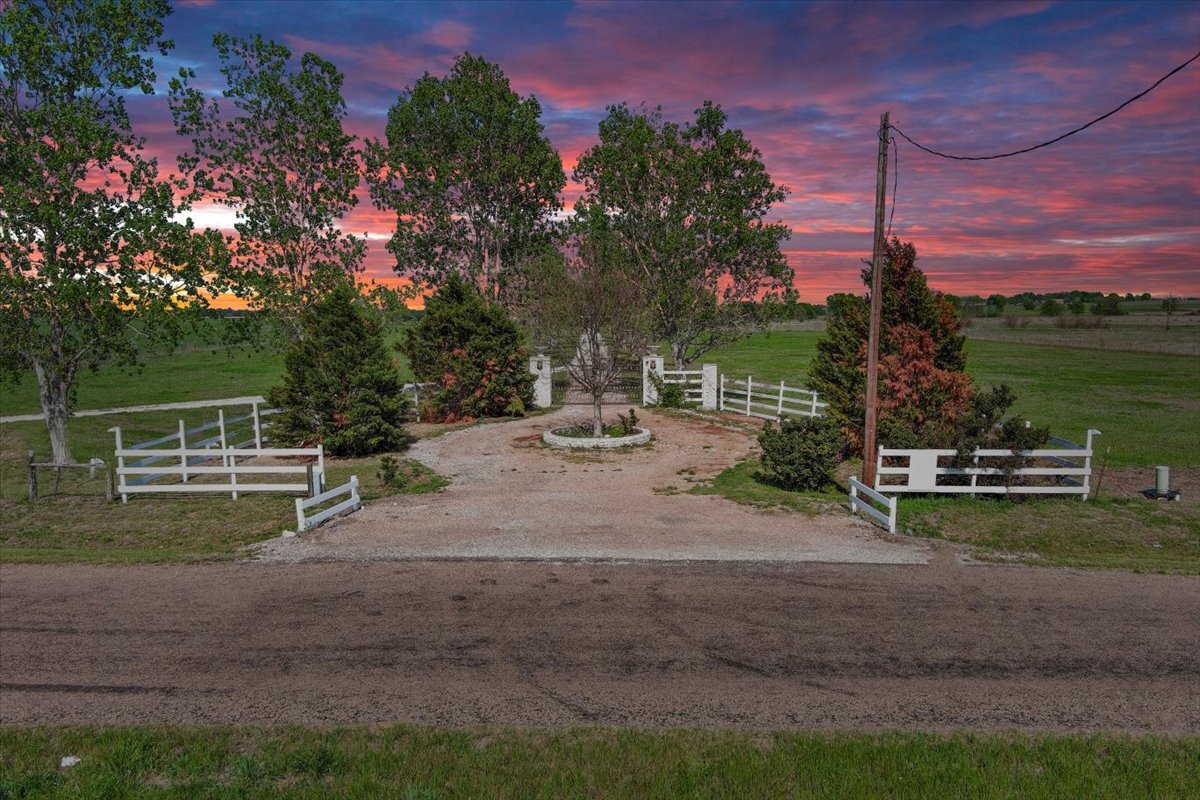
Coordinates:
(511,497)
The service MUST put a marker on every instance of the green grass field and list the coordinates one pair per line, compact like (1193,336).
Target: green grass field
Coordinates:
(1146,404)
(411,763)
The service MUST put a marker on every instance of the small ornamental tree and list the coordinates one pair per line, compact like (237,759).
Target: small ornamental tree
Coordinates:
(341,388)
(587,313)
(472,352)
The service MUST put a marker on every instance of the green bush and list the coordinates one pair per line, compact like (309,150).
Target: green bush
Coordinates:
(801,454)
(340,389)
(472,352)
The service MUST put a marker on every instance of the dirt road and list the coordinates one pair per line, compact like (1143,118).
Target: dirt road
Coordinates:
(543,644)
(511,497)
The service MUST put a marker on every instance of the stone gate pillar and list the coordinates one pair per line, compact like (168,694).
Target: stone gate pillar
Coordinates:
(651,365)
(708,387)
(543,381)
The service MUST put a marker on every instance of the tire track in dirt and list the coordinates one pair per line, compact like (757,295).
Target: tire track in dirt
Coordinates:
(540,644)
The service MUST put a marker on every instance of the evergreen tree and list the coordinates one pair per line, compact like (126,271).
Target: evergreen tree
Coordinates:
(340,389)
(472,352)
(924,390)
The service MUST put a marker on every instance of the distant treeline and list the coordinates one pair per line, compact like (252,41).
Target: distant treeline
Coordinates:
(789,306)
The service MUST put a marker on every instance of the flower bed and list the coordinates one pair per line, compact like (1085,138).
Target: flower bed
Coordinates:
(573,437)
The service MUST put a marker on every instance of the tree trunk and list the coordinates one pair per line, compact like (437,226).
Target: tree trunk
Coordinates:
(54,392)
(597,416)
(678,352)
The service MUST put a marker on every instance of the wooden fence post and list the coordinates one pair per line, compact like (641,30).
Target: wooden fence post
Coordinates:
(183,459)
(779,407)
(321,465)
(814,405)
(257,428)
(721,393)
(30,477)
(226,460)
(749,391)
(120,465)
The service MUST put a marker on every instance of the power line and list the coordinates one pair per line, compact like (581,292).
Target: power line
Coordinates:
(1138,96)
(895,183)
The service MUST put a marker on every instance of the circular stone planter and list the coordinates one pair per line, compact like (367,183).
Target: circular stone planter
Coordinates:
(593,443)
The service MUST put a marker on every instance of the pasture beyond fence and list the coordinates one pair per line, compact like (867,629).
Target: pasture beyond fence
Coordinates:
(189,468)
(768,401)
(715,392)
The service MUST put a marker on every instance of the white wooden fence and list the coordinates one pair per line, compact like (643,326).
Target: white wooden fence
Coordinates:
(767,400)
(864,503)
(692,381)
(1063,470)
(228,432)
(351,503)
(136,478)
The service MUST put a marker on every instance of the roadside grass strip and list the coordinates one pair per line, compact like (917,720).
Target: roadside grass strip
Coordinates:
(422,763)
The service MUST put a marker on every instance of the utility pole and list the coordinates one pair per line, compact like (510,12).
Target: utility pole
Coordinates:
(876,306)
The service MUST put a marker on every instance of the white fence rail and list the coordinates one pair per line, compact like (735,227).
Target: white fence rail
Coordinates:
(692,381)
(1061,470)
(768,400)
(351,503)
(861,498)
(136,478)
(227,432)
(414,391)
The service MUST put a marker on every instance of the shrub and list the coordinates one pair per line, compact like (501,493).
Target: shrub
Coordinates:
(472,352)
(628,423)
(671,395)
(801,454)
(340,388)
(388,471)
(1051,308)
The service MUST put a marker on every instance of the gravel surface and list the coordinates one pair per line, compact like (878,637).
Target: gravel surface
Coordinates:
(757,645)
(512,497)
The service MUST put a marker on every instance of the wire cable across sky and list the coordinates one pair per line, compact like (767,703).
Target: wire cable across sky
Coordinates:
(1101,118)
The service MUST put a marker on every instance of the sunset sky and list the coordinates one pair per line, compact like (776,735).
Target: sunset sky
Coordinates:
(1115,208)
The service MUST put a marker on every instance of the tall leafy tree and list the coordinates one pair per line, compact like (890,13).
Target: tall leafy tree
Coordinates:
(93,264)
(276,152)
(689,205)
(470,175)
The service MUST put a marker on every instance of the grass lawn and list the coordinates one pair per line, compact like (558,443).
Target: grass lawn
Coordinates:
(1124,534)
(187,374)
(740,484)
(1120,533)
(416,763)
(147,529)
